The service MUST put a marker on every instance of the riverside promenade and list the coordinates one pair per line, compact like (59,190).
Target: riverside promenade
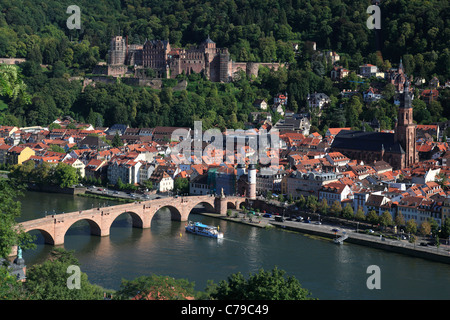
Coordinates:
(441,254)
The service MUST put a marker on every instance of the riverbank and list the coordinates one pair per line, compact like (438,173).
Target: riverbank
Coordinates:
(55,189)
(259,223)
(96,196)
(441,254)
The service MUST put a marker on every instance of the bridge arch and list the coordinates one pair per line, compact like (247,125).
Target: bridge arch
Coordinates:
(94,227)
(175,213)
(231,205)
(208,206)
(48,237)
(54,228)
(136,219)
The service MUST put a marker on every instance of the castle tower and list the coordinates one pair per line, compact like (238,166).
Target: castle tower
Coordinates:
(251,181)
(224,59)
(117,51)
(405,132)
(209,44)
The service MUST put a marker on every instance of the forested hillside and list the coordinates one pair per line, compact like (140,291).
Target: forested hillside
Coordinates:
(254,30)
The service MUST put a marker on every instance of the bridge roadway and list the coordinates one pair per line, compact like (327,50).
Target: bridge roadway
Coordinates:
(54,227)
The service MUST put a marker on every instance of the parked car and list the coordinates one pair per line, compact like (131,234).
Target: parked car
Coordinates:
(267,215)
(299,219)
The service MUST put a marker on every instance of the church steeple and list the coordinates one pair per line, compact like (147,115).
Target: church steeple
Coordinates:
(405,132)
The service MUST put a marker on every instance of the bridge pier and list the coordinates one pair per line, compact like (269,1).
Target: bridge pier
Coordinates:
(144,223)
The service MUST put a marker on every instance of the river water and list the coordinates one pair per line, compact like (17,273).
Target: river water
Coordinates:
(327,270)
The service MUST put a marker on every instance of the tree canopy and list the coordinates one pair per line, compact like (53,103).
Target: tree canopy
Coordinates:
(263,285)
(252,30)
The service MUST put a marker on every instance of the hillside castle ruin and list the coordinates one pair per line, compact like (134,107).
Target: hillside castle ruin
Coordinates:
(168,62)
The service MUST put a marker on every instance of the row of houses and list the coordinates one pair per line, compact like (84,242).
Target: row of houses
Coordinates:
(305,167)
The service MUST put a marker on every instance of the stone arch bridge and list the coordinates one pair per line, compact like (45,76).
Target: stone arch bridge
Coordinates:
(54,227)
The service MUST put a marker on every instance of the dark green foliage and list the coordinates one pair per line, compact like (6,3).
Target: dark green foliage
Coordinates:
(62,175)
(9,212)
(155,287)
(48,281)
(263,285)
(253,30)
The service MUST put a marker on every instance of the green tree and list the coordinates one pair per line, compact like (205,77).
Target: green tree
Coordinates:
(56,148)
(120,185)
(301,202)
(386,219)
(372,217)
(360,216)
(411,226)
(347,212)
(64,175)
(445,230)
(425,228)
(11,233)
(263,285)
(8,42)
(10,288)
(181,185)
(434,226)
(290,199)
(11,84)
(48,281)
(42,174)
(155,287)
(22,172)
(148,184)
(399,219)
(336,208)
(388,91)
(312,203)
(116,141)
(323,208)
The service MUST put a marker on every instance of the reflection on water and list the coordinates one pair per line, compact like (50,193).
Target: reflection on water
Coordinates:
(329,271)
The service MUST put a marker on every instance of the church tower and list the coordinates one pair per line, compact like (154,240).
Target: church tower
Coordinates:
(405,132)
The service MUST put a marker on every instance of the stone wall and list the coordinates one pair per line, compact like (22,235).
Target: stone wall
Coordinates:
(55,189)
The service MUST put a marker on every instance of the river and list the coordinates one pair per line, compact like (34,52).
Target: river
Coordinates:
(327,270)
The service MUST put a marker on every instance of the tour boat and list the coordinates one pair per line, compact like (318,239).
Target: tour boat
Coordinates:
(203,230)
